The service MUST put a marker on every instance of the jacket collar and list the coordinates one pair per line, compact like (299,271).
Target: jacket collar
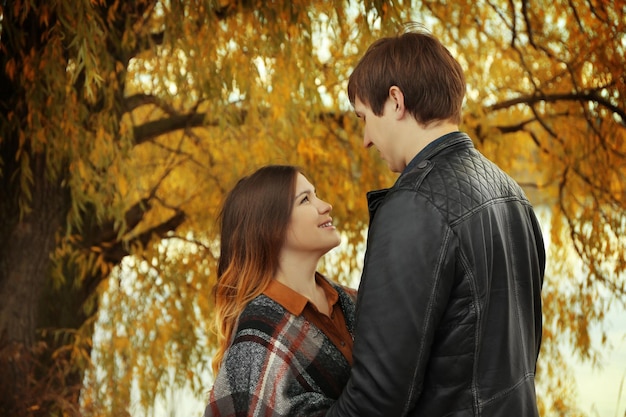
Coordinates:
(450,140)
(453,140)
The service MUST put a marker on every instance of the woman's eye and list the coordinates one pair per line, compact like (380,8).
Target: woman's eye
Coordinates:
(305,199)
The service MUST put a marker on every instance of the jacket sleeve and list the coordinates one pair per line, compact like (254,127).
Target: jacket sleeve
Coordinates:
(407,276)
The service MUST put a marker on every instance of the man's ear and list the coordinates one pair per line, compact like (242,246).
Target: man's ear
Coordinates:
(397,97)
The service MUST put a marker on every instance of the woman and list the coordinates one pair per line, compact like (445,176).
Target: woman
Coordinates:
(284,330)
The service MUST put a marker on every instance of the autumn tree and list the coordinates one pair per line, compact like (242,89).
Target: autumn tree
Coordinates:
(122,124)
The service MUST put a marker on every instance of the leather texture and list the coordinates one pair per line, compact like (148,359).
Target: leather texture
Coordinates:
(449,306)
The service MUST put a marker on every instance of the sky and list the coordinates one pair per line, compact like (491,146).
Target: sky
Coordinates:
(602,390)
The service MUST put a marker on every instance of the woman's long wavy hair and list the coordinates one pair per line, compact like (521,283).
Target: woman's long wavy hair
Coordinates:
(254,221)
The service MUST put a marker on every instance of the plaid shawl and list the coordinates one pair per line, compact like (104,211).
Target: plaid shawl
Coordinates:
(280,364)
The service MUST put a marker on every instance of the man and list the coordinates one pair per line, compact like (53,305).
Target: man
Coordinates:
(449,306)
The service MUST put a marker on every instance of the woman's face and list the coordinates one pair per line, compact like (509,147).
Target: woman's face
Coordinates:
(310,227)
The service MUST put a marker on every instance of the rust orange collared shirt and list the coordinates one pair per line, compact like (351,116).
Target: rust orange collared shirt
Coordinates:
(334,327)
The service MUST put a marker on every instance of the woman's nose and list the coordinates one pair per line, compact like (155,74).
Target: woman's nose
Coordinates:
(325,207)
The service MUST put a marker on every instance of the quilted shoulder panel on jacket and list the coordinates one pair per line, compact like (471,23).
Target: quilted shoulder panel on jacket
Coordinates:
(460,183)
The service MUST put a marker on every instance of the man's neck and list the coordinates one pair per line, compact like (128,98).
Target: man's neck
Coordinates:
(424,135)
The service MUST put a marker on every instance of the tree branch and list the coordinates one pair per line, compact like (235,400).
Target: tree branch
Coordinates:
(115,253)
(137,100)
(159,127)
(551,98)
(165,125)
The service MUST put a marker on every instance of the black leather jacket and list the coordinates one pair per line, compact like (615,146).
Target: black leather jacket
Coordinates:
(449,305)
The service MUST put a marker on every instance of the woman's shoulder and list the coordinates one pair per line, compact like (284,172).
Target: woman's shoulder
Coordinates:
(262,309)
(350,292)
(264,323)
(262,304)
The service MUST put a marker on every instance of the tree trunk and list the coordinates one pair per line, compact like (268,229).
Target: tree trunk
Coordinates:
(25,261)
